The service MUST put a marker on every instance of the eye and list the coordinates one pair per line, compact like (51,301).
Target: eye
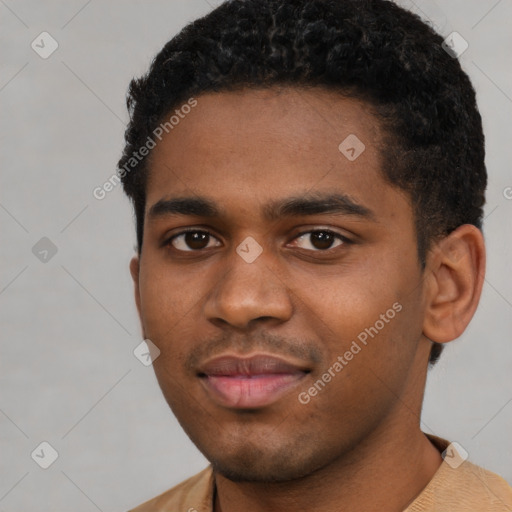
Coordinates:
(193,240)
(320,240)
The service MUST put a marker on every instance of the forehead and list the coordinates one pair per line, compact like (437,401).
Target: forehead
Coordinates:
(252,146)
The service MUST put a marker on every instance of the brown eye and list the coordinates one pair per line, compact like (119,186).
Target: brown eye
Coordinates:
(322,239)
(319,240)
(193,241)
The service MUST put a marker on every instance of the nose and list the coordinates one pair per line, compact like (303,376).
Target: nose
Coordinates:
(248,293)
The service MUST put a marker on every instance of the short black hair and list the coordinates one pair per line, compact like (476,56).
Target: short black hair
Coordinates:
(372,50)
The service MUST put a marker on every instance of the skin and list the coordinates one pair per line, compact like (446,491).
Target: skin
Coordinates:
(298,300)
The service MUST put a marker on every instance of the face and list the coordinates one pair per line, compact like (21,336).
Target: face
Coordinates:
(279,278)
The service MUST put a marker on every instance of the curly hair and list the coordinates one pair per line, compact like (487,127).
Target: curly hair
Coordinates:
(368,49)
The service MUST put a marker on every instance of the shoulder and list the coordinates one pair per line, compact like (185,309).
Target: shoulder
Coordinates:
(478,489)
(192,495)
(460,486)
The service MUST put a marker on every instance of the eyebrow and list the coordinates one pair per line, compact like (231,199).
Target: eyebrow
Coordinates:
(297,206)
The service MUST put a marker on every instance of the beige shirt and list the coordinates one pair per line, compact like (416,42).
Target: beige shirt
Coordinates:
(457,486)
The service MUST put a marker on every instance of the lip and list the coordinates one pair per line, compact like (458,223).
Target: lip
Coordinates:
(249,382)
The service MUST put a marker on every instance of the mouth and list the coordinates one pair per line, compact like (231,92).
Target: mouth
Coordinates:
(249,382)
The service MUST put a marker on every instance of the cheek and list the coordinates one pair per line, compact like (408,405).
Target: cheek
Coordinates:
(157,308)
(367,366)
(165,303)
(369,315)
(348,303)
(171,316)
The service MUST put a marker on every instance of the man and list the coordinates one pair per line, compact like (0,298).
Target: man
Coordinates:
(308,180)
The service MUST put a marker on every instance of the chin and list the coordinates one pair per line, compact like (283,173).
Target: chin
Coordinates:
(256,464)
(258,472)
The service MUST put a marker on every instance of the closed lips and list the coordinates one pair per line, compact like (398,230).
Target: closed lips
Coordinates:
(249,383)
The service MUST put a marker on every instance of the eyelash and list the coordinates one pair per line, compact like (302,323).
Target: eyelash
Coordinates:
(334,234)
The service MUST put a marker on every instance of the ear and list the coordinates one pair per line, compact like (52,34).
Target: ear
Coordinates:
(135,272)
(455,276)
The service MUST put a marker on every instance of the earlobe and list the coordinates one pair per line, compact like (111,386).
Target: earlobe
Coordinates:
(456,267)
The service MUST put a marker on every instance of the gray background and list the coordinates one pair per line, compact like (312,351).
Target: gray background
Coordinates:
(69,325)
